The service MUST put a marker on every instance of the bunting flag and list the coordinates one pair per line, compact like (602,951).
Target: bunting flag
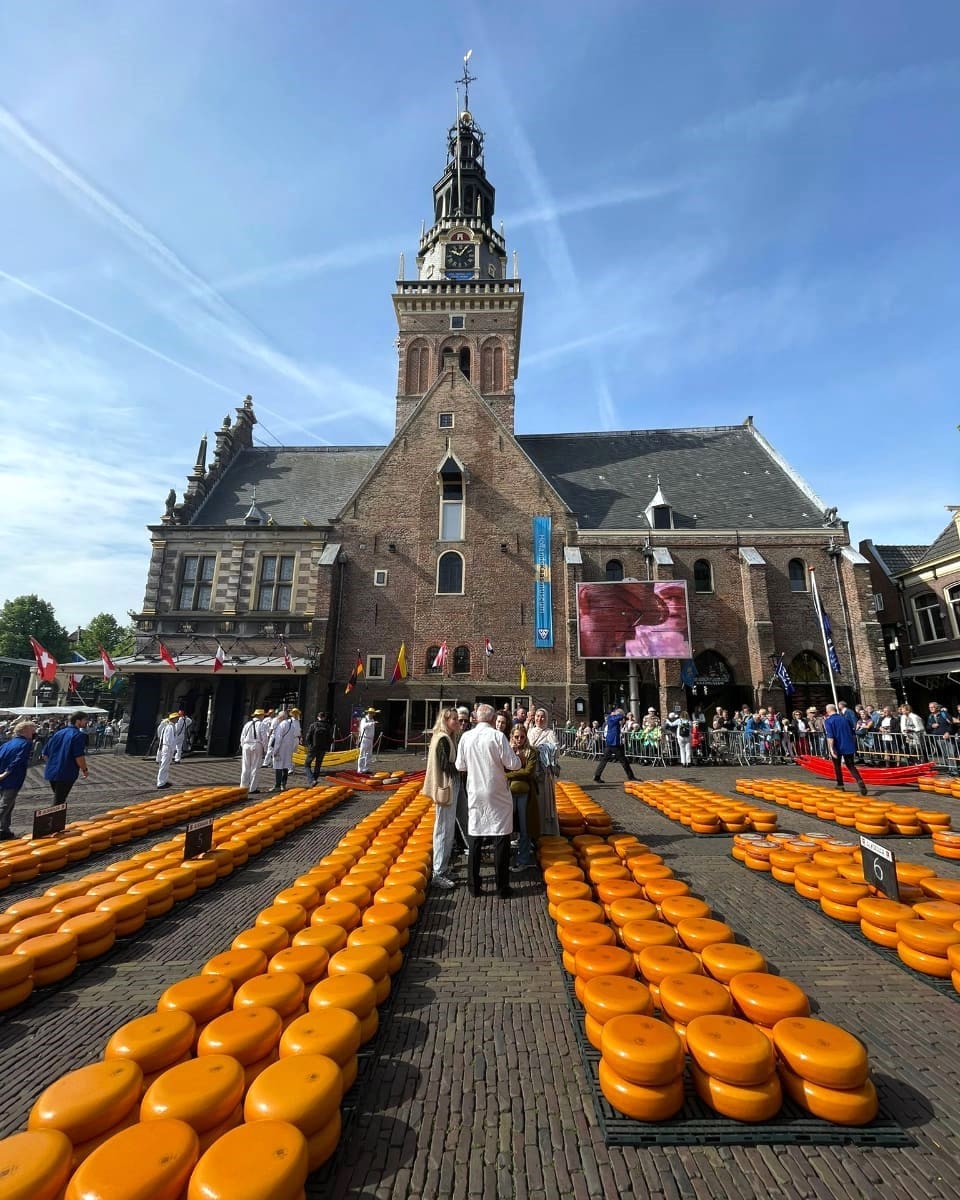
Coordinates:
(287,660)
(357,672)
(46,663)
(218,659)
(825,627)
(109,670)
(781,672)
(487,647)
(167,657)
(441,660)
(523,676)
(400,667)
(73,683)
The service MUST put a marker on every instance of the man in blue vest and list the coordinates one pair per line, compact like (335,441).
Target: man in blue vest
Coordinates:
(613,744)
(842,747)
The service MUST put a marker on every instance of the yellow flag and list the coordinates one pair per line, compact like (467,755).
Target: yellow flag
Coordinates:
(400,669)
(523,677)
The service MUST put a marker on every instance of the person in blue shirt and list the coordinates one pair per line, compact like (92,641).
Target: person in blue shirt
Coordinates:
(65,752)
(842,747)
(613,744)
(15,757)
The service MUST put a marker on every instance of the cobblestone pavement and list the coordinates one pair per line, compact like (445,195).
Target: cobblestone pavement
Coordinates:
(475,1086)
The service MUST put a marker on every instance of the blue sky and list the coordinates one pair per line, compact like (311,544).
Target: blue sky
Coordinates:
(719,209)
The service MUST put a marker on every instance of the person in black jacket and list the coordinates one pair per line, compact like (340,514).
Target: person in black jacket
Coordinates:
(317,740)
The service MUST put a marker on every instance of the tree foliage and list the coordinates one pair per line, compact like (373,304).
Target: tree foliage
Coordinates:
(106,631)
(29,616)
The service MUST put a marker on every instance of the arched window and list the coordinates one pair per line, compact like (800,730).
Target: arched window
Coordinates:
(451,501)
(713,670)
(614,570)
(702,576)
(491,368)
(797,570)
(428,660)
(418,361)
(461,660)
(465,361)
(450,574)
(807,667)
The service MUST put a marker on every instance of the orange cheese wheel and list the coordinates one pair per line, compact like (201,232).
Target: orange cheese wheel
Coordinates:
(841,1106)
(908,872)
(810,873)
(766,999)
(940,912)
(202,996)
(51,948)
(842,891)
(333,1032)
(696,933)
(309,962)
(657,962)
(237,966)
(291,917)
(657,890)
(878,910)
(124,907)
(16,993)
(373,961)
(925,936)
(304,1089)
(629,908)
(928,964)
(750,1103)
(941,889)
(341,913)
(569,889)
(572,912)
(643,1103)
(282,991)
(35,1165)
(266,938)
(252,1161)
(37,926)
(821,1052)
(247,1034)
(608,996)
(395,914)
(675,909)
(642,1050)
(204,1092)
(87,1102)
(953,957)
(75,905)
(594,1031)
(591,961)
(14,969)
(880,935)
(578,935)
(154,1161)
(723,960)
(685,997)
(562,871)
(155,1041)
(352,991)
(840,912)
(385,936)
(730,1049)
(90,926)
(305,895)
(638,935)
(331,937)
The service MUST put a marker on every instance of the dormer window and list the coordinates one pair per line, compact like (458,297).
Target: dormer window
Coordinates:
(451,480)
(662,517)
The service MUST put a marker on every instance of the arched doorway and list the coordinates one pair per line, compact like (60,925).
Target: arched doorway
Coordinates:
(711,684)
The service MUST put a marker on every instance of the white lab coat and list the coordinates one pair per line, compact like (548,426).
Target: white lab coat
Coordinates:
(182,729)
(252,748)
(167,736)
(283,741)
(365,734)
(485,754)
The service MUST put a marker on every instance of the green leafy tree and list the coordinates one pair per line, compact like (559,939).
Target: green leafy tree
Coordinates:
(29,616)
(106,631)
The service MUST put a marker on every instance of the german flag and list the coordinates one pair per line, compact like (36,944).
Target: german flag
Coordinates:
(357,672)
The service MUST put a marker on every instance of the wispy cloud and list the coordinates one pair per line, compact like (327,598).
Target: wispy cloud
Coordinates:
(306,266)
(617,195)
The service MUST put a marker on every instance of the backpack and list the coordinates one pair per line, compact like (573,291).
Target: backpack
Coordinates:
(683,729)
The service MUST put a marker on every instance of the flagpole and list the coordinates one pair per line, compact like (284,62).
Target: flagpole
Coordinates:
(823,633)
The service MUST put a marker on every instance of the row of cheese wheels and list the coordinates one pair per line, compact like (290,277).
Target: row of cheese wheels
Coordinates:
(43,938)
(940,785)
(701,810)
(23,859)
(231,1090)
(852,812)
(923,926)
(690,968)
(579,813)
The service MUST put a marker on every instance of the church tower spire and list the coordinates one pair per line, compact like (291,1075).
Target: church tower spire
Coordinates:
(462,311)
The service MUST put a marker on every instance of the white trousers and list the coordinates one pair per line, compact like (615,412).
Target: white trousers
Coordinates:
(163,772)
(250,759)
(365,761)
(684,744)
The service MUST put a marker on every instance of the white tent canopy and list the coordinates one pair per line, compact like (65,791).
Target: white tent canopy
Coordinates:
(66,711)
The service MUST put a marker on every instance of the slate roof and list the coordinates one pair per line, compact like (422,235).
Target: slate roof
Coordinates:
(946,544)
(716,478)
(900,558)
(292,483)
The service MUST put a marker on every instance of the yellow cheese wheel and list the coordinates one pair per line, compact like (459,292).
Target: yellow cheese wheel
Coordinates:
(572,912)
(767,999)
(14,969)
(878,910)
(925,936)
(236,965)
(590,961)
(941,889)
(309,962)
(696,933)
(35,1165)
(155,1041)
(578,935)
(657,962)
(684,997)
(291,917)
(638,935)
(607,996)
(202,996)
(643,1103)
(880,935)
(331,937)
(85,1103)
(203,1092)
(16,993)
(940,912)
(353,991)
(333,1032)
(282,991)
(840,912)
(821,1052)
(928,964)
(730,1049)
(841,1106)
(386,913)
(266,938)
(723,960)
(51,948)
(675,909)
(385,936)
(253,1161)
(751,1103)
(154,1161)
(304,1089)
(364,960)
(642,1050)
(248,1034)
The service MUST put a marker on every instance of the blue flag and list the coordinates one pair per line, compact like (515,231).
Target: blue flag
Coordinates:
(783,675)
(831,648)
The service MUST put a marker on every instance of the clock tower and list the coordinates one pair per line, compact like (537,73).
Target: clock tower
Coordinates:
(464,309)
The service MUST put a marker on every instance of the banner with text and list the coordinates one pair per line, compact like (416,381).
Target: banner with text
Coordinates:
(542,590)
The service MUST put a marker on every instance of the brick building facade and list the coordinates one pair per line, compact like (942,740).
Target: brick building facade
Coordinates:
(296,560)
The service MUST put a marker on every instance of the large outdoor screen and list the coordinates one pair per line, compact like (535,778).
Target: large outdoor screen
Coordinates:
(634,620)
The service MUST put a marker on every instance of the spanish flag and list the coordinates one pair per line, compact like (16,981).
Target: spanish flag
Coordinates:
(523,676)
(400,669)
(357,672)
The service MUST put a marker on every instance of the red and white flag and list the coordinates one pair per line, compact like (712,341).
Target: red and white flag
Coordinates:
(440,661)
(218,659)
(73,683)
(287,660)
(109,670)
(487,647)
(46,663)
(167,657)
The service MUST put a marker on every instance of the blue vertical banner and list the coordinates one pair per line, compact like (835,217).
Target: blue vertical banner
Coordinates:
(542,587)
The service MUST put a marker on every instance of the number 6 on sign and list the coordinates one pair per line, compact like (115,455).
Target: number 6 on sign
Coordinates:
(879,864)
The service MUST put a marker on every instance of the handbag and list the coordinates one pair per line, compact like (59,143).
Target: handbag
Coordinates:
(443,795)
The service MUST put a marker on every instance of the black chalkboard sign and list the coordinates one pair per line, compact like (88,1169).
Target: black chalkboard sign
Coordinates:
(879,868)
(198,838)
(48,821)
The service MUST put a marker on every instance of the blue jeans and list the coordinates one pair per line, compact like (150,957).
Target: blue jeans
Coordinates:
(524,844)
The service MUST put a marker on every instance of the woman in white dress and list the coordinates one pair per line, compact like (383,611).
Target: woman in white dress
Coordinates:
(543,740)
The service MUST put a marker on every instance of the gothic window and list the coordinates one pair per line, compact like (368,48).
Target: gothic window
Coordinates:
(797,570)
(429,659)
(451,502)
(491,368)
(465,361)
(196,580)
(929,617)
(275,588)
(461,660)
(614,570)
(450,574)
(418,360)
(702,576)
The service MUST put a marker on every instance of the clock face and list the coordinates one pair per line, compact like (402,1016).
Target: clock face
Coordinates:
(460,257)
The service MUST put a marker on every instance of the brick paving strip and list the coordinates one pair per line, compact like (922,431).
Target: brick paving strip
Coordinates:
(477,1088)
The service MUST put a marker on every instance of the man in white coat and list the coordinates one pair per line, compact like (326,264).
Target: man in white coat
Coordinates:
(166,748)
(181,727)
(284,739)
(366,732)
(252,747)
(485,754)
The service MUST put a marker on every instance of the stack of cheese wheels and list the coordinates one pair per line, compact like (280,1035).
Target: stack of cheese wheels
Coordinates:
(723,960)
(250,1034)
(283,991)
(334,1033)
(260,1159)
(641,1067)
(683,998)
(824,1069)
(203,997)
(734,1067)
(154,1042)
(656,963)
(946,844)
(594,962)
(304,1090)
(53,956)
(36,1165)
(879,917)
(765,999)
(205,1092)
(607,996)
(90,1105)
(154,1160)
(353,991)
(16,979)
(925,945)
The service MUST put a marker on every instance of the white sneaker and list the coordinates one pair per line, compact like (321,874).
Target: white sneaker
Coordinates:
(444,881)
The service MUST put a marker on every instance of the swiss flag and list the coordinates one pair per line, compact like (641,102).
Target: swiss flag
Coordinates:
(46,663)
(167,657)
(109,670)
(218,659)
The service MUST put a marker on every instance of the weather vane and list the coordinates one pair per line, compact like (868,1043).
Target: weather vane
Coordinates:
(466,79)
